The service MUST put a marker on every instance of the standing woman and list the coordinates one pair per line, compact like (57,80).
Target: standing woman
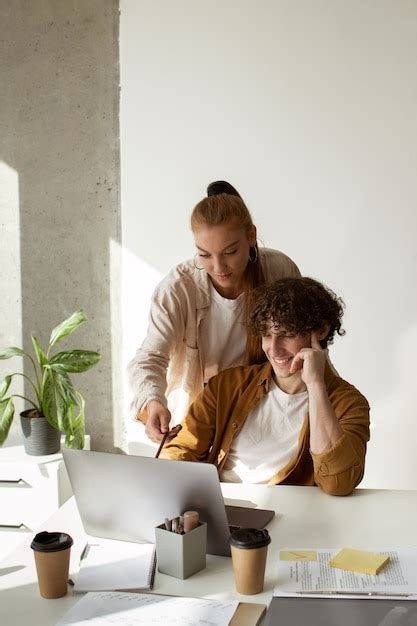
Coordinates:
(197,324)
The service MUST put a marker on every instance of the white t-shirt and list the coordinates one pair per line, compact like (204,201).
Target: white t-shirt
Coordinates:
(268,439)
(223,334)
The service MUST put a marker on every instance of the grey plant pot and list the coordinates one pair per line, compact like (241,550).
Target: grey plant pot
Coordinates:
(39,437)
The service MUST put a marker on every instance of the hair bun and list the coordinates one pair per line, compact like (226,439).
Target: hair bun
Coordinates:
(221,186)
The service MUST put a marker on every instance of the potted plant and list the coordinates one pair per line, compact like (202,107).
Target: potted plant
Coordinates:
(57,407)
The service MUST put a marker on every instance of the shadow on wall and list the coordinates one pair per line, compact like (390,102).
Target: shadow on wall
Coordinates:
(60,78)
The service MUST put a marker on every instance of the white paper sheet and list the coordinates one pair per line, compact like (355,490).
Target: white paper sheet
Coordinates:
(110,565)
(131,609)
(304,577)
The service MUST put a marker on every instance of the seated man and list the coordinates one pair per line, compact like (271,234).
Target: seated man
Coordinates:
(290,420)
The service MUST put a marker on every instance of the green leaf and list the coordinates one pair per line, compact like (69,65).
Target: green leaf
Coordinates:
(6,418)
(67,327)
(66,387)
(7,353)
(68,419)
(40,354)
(59,396)
(54,404)
(5,385)
(75,360)
(76,435)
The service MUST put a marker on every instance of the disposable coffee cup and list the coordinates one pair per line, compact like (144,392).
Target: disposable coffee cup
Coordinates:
(52,555)
(249,547)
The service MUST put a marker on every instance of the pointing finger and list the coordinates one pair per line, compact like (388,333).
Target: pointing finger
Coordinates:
(315,344)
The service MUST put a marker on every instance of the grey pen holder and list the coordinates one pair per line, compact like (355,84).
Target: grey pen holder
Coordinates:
(181,555)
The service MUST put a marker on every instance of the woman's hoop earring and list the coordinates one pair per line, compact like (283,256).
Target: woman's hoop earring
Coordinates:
(256,254)
(195,264)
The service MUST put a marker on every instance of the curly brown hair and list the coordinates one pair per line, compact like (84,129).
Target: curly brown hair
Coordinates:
(299,305)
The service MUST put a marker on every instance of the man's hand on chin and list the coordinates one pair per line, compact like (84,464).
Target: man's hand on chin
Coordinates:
(311,362)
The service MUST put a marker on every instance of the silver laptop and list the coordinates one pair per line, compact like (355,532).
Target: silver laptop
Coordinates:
(341,612)
(124,497)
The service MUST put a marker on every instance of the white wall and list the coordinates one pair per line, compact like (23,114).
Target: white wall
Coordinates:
(309,109)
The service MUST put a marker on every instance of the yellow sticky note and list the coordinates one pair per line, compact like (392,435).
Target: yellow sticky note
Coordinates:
(359,561)
(298,555)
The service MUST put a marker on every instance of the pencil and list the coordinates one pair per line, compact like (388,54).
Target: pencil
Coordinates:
(161,445)
(332,592)
(172,434)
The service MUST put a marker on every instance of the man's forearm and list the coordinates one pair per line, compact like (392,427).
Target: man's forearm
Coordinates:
(325,429)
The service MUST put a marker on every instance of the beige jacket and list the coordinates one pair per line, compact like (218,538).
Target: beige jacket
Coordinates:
(220,411)
(170,358)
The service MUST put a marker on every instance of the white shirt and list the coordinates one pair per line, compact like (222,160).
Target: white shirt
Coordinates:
(268,439)
(223,334)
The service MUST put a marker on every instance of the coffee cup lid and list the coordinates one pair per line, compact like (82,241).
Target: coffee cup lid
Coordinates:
(51,542)
(248,538)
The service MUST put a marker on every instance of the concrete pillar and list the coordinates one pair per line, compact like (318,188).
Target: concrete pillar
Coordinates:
(60,140)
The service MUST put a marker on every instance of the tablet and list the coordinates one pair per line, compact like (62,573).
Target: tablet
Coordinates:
(340,612)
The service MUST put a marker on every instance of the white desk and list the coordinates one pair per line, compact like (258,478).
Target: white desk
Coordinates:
(31,489)
(306,517)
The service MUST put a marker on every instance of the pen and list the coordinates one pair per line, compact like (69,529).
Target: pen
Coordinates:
(84,553)
(164,438)
(355,593)
(161,445)
(180,527)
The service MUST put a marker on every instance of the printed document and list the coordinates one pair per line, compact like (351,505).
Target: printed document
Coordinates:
(131,609)
(305,575)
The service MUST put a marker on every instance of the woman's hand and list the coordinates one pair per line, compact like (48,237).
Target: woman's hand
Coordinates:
(158,420)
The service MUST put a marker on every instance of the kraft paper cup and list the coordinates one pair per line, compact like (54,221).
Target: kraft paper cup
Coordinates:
(249,548)
(52,555)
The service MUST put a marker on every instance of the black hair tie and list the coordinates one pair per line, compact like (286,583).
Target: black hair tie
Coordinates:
(221,186)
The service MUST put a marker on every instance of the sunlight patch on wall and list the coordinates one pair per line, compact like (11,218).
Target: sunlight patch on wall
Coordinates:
(11,288)
(139,280)
(134,292)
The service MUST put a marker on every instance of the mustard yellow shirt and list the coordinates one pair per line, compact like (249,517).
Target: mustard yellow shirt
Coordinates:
(219,412)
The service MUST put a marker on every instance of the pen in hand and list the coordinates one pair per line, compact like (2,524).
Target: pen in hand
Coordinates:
(333,592)
(169,434)
(161,445)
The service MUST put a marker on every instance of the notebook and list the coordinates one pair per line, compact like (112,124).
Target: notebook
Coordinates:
(108,565)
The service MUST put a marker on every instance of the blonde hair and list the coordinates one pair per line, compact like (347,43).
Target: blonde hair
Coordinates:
(224,208)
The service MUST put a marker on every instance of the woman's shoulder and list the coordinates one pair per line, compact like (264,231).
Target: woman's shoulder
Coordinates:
(177,275)
(181,279)
(277,265)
